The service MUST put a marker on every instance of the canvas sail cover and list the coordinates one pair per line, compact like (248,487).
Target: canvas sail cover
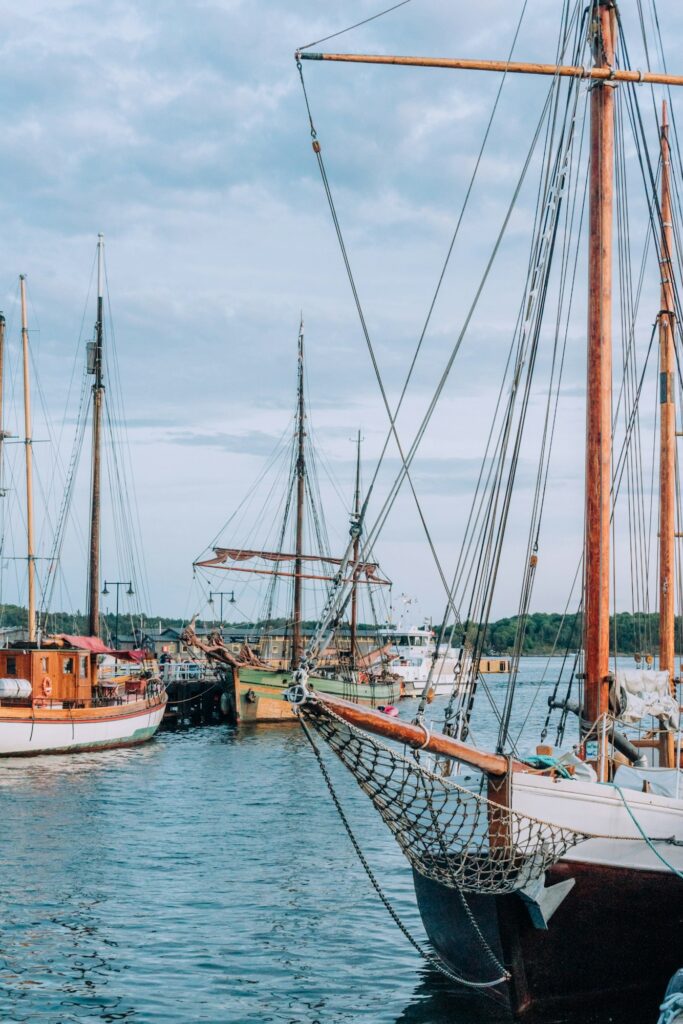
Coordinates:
(224,555)
(645,692)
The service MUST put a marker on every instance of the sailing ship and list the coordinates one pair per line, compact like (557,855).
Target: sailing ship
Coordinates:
(258,685)
(52,699)
(553,881)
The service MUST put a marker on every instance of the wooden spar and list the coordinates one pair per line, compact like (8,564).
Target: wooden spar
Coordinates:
(599,72)
(667,457)
(28,445)
(95,495)
(356,550)
(599,384)
(292,575)
(415,736)
(300,497)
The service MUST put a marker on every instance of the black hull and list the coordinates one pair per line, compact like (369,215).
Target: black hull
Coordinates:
(616,939)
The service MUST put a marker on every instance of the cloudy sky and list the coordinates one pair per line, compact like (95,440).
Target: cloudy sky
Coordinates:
(179,131)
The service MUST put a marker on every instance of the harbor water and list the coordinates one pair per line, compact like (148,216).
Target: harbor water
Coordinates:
(206,876)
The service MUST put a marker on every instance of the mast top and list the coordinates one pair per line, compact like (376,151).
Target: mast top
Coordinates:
(100,264)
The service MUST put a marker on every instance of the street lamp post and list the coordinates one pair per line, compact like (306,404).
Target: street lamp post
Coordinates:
(221,594)
(130,592)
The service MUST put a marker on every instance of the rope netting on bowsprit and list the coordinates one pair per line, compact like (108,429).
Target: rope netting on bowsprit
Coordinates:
(449,833)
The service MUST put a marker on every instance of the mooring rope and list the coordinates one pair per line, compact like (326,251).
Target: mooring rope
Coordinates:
(433,960)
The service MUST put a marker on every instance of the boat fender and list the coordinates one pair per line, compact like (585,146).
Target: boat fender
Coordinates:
(153,687)
(46,686)
(250,697)
(388,709)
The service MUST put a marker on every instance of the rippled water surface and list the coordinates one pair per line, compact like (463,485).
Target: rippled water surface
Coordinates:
(206,877)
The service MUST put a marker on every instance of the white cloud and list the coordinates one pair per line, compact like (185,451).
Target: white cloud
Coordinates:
(181,132)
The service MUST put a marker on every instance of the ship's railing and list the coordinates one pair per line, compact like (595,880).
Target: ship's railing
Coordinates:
(187,671)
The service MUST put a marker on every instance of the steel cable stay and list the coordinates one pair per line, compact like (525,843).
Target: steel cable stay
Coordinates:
(122,454)
(624,463)
(555,188)
(649,178)
(534,285)
(125,519)
(616,485)
(677,211)
(358,24)
(446,261)
(449,252)
(274,458)
(336,605)
(629,303)
(67,499)
(564,276)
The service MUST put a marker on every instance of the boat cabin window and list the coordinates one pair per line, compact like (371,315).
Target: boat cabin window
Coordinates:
(503,666)
(83,661)
(68,666)
(43,664)
(11,665)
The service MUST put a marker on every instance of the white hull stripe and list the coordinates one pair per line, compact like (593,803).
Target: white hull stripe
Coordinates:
(25,737)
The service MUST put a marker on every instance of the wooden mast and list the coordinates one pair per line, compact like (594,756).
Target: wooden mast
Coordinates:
(667,458)
(599,385)
(667,434)
(28,446)
(95,497)
(300,497)
(356,550)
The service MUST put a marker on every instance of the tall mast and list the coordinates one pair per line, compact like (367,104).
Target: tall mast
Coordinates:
(28,446)
(599,387)
(667,457)
(300,497)
(95,500)
(356,548)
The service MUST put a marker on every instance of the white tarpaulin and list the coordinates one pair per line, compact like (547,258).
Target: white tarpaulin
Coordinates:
(661,781)
(645,692)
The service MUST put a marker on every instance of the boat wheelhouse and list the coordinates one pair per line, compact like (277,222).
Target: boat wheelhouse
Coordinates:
(52,700)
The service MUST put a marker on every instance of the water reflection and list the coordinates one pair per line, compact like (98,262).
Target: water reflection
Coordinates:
(206,877)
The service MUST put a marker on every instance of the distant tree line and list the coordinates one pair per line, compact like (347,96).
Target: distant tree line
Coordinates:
(544,631)
(548,631)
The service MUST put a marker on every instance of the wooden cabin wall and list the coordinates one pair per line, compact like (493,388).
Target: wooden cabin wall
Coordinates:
(69,673)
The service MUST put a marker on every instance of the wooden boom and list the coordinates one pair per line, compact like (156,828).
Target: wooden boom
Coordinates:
(415,736)
(509,67)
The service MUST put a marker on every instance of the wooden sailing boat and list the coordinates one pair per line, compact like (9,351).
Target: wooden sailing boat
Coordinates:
(51,699)
(258,687)
(552,887)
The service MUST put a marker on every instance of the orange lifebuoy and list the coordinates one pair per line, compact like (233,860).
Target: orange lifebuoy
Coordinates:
(47,686)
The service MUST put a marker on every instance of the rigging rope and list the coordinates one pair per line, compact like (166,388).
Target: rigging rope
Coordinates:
(365,21)
(434,961)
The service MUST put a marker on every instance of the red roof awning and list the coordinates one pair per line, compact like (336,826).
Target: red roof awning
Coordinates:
(94,645)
